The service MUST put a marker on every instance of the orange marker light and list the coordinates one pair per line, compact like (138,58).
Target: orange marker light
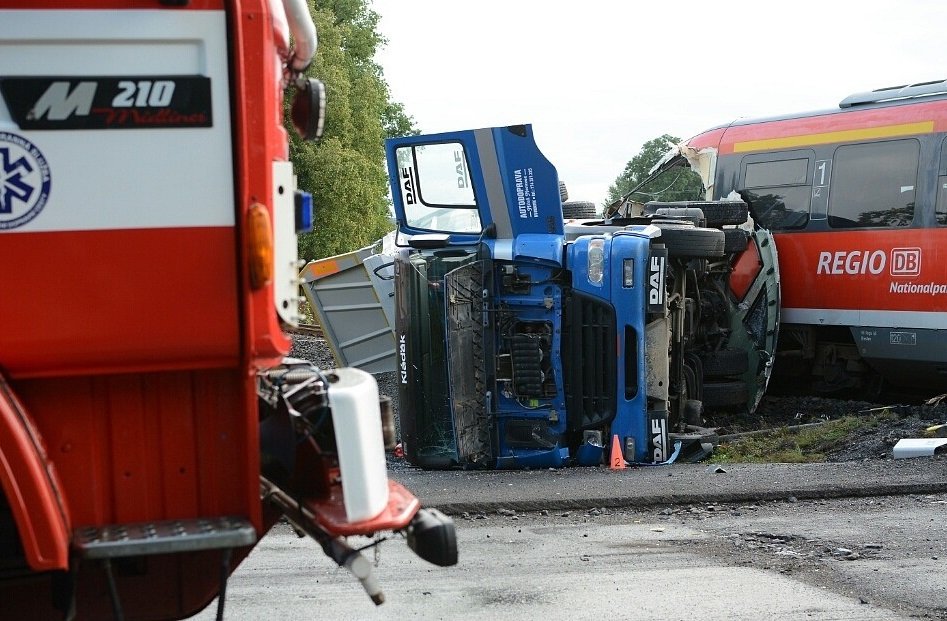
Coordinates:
(260,255)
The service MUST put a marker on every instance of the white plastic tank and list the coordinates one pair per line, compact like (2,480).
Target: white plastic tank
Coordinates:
(360,442)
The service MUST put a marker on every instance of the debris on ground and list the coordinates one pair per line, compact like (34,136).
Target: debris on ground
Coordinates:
(858,440)
(919,447)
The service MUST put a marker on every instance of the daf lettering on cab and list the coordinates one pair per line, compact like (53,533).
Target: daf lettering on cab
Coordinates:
(152,428)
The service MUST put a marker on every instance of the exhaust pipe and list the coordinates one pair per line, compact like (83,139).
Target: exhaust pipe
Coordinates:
(303,31)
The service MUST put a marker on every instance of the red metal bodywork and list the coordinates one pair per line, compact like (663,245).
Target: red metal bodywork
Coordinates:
(827,270)
(29,481)
(148,409)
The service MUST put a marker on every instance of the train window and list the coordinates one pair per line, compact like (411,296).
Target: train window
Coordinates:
(780,208)
(778,193)
(941,209)
(783,172)
(873,184)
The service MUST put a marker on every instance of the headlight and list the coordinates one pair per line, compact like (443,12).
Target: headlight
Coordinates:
(596,261)
(628,273)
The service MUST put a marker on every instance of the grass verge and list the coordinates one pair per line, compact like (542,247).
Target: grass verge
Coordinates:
(812,444)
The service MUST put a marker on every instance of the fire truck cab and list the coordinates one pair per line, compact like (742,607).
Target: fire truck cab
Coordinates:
(148,220)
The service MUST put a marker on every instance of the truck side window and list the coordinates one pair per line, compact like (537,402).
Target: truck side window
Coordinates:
(778,193)
(436,189)
(873,185)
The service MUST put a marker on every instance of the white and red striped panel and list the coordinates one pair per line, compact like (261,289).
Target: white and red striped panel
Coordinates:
(131,263)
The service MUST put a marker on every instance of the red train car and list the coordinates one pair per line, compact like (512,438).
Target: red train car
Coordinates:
(857,198)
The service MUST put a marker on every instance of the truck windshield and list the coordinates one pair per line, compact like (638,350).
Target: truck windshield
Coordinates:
(435,188)
(675,182)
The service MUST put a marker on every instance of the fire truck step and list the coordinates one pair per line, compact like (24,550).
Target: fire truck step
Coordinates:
(164,537)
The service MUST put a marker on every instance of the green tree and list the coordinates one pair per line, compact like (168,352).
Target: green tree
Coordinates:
(345,171)
(678,184)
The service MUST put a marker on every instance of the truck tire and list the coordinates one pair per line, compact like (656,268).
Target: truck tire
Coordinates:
(691,214)
(723,213)
(724,362)
(691,241)
(578,209)
(716,213)
(563,192)
(735,240)
(725,394)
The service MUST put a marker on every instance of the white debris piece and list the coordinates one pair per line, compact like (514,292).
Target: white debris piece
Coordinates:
(919,447)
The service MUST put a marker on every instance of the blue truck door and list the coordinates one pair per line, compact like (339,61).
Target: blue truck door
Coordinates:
(460,183)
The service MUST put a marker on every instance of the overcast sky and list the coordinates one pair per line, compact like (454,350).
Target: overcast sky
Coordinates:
(599,78)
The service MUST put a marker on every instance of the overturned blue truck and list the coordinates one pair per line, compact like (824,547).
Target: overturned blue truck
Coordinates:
(528,339)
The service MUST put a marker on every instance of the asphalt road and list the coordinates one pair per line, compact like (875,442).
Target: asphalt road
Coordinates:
(457,491)
(820,541)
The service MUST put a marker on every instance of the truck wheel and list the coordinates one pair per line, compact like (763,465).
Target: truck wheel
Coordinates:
(563,191)
(691,241)
(722,213)
(725,394)
(578,209)
(724,362)
(735,240)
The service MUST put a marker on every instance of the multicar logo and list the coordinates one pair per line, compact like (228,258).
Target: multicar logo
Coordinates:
(656,290)
(902,261)
(659,439)
(108,102)
(403,357)
(58,103)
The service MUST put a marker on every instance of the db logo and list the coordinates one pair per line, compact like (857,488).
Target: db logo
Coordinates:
(905,261)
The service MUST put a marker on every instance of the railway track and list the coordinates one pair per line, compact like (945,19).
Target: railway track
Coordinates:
(308,329)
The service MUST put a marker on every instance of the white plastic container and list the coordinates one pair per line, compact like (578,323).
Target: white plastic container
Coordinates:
(358,436)
(919,447)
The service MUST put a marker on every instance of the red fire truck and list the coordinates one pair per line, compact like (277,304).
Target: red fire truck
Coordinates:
(151,430)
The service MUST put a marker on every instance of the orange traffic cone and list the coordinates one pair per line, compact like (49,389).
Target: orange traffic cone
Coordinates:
(616,460)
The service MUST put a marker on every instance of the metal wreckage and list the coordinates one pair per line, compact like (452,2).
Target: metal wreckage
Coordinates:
(526,332)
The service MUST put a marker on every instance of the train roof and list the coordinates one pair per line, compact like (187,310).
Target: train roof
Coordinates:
(906,94)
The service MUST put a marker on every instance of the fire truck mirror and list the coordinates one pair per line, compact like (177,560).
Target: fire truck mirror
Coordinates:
(308,110)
